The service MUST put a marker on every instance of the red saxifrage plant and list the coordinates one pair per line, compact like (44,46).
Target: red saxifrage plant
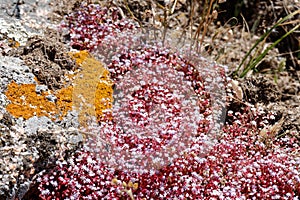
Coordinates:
(89,24)
(242,163)
(162,99)
(239,166)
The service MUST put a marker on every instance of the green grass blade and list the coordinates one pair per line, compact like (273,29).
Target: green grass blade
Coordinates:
(261,56)
(261,39)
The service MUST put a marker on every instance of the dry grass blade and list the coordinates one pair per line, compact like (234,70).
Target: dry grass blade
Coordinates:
(207,18)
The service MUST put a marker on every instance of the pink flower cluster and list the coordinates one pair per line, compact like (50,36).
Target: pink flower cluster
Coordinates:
(89,24)
(244,161)
(239,166)
(162,100)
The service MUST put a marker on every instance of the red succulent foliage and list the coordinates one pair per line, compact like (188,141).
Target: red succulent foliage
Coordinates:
(163,89)
(89,24)
(244,161)
(233,169)
(239,166)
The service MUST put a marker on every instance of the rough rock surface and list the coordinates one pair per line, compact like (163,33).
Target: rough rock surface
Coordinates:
(28,146)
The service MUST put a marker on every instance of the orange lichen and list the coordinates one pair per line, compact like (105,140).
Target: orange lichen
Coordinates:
(26,103)
(90,96)
(13,43)
(103,95)
(64,100)
(92,88)
(80,56)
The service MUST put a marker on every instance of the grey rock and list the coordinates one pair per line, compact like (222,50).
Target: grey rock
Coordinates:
(3,101)
(33,124)
(51,98)
(13,69)
(70,120)
(41,88)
